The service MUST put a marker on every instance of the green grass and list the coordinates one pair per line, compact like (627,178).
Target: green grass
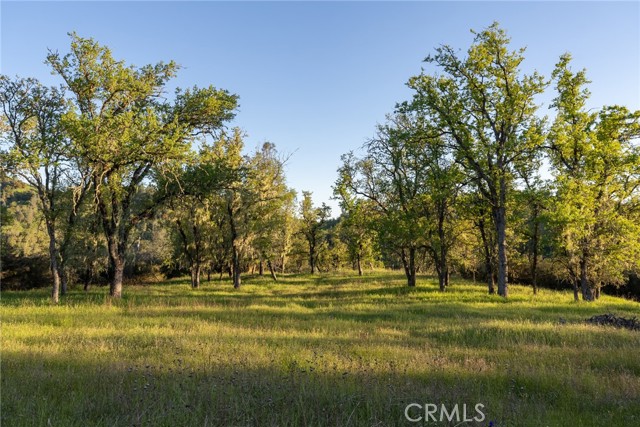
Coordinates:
(334,350)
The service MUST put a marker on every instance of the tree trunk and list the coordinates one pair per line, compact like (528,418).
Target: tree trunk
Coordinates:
(261,268)
(87,279)
(116,267)
(55,291)
(53,263)
(501,228)
(443,276)
(312,258)
(441,255)
(237,282)
(576,290)
(534,268)
(488,264)
(441,280)
(272,271)
(405,262)
(235,255)
(115,287)
(412,267)
(64,278)
(409,264)
(444,269)
(587,293)
(359,264)
(534,250)
(195,275)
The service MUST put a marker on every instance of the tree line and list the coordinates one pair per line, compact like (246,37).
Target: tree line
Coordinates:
(466,177)
(462,164)
(113,173)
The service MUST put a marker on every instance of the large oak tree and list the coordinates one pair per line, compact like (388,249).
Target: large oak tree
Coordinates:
(124,128)
(484,105)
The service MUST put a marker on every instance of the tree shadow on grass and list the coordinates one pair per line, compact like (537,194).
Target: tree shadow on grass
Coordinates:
(448,351)
(66,390)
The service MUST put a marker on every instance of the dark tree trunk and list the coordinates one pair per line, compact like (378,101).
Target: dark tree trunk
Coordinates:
(116,225)
(405,263)
(488,258)
(441,281)
(87,279)
(443,277)
(312,257)
(64,278)
(441,254)
(412,267)
(409,263)
(261,268)
(501,228)
(534,265)
(359,264)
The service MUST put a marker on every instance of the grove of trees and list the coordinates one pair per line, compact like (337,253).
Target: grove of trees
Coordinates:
(106,178)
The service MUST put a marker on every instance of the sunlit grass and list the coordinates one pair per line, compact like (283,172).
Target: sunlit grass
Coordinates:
(325,350)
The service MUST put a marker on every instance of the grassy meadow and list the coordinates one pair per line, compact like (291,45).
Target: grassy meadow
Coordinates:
(325,350)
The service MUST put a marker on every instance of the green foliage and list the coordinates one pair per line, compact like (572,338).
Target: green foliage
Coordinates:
(124,130)
(410,183)
(39,152)
(229,207)
(273,213)
(23,258)
(391,177)
(312,227)
(595,163)
(24,230)
(485,108)
(356,229)
(449,184)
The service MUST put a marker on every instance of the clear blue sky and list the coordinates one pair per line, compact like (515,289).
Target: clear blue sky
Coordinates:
(315,78)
